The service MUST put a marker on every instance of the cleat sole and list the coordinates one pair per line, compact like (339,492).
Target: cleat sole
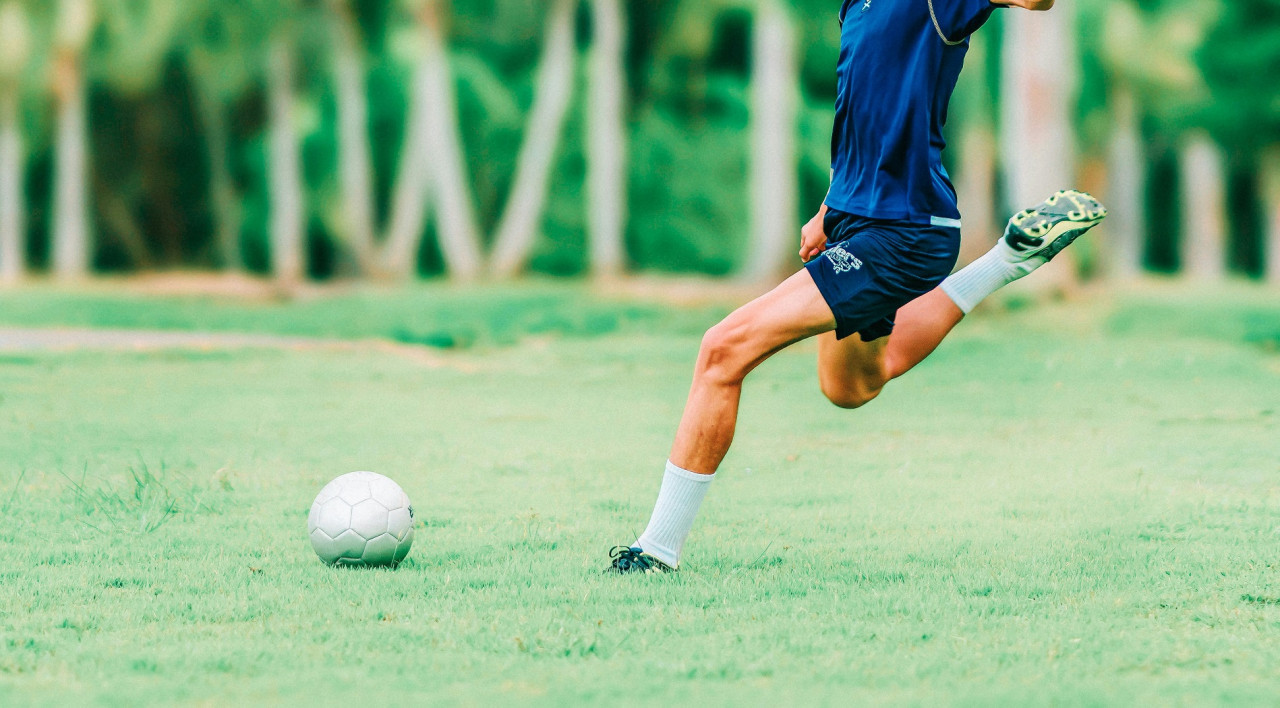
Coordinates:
(1049,228)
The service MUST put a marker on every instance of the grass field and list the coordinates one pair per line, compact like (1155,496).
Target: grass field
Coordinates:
(1069,505)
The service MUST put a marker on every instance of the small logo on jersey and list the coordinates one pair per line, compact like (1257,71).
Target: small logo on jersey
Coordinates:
(842,260)
(866,6)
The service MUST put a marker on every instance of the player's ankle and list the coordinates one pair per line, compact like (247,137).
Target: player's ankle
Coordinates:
(980,279)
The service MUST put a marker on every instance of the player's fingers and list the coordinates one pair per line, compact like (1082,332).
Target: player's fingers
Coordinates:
(807,253)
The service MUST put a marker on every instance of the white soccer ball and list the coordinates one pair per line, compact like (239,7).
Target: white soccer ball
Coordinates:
(362,519)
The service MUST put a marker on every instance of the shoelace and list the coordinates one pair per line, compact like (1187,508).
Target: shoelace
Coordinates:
(624,557)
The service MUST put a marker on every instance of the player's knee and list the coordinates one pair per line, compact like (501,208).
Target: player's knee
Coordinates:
(723,353)
(849,396)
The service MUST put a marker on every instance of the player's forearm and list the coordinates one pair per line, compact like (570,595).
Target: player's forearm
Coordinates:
(1039,5)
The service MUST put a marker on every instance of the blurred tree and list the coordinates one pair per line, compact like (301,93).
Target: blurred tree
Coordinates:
(432,161)
(522,218)
(690,146)
(217,49)
(1270,171)
(1126,187)
(355,161)
(606,202)
(284,163)
(972,112)
(1149,58)
(1040,81)
(14,52)
(450,182)
(774,184)
(326,121)
(133,41)
(1241,62)
(1204,207)
(71,233)
(411,192)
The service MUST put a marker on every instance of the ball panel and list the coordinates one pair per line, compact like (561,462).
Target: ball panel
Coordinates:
(324,546)
(313,517)
(354,491)
(399,522)
(387,492)
(402,548)
(349,545)
(334,517)
(380,550)
(369,519)
(330,491)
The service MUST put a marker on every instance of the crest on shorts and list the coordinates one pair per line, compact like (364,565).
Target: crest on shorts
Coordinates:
(842,260)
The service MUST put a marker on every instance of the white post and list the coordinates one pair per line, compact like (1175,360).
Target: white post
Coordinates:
(607,140)
(14,46)
(1204,228)
(522,218)
(459,235)
(1270,176)
(1126,189)
(774,185)
(410,197)
(285,167)
(12,219)
(355,165)
(72,242)
(1038,98)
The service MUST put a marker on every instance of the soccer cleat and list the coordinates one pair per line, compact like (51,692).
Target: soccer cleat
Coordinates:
(1043,232)
(634,560)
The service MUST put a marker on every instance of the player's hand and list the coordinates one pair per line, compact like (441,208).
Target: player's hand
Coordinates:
(813,237)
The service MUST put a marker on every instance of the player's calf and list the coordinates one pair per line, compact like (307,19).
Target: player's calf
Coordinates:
(851,372)
(850,396)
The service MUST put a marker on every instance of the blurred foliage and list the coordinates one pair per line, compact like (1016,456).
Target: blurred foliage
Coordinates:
(1241,61)
(1192,63)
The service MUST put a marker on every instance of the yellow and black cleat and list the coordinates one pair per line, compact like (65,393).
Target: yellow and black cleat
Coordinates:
(1047,229)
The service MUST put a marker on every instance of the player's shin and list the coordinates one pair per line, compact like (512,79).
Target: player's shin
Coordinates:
(679,499)
(1032,239)
(982,278)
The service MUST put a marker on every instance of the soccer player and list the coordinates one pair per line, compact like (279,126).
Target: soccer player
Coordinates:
(874,289)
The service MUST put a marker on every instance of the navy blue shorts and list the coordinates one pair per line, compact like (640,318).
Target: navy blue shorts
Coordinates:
(873,267)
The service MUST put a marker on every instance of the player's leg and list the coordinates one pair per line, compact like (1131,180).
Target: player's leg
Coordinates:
(853,372)
(1034,237)
(796,310)
(793,311)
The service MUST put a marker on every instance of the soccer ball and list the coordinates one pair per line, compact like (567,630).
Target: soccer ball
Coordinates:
(361,519)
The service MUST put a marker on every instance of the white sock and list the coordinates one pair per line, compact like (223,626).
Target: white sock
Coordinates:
(996,269)
(678,502)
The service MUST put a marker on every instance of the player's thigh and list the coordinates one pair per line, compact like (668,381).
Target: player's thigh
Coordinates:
(791,312)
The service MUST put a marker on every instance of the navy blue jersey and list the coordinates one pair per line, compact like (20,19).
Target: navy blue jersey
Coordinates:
(895,79)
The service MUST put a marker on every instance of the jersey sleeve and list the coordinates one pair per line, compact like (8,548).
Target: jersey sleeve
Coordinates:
(960,18)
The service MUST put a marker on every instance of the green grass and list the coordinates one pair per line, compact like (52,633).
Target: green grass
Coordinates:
(1069,505)
(436,315)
